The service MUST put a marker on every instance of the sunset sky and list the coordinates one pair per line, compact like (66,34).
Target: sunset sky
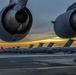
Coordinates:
(58,42)
(43,11)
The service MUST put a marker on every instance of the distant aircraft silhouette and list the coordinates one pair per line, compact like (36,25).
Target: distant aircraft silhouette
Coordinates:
(40,48)
(69,43)
(61,49)
(31,46)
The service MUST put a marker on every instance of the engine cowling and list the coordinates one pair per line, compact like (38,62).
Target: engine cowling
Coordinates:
(15,23)
(65,24)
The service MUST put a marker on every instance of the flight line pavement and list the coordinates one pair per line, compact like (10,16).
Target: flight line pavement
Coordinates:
(37,64)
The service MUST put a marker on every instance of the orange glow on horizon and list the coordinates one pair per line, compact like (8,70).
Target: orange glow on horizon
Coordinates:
(56,40)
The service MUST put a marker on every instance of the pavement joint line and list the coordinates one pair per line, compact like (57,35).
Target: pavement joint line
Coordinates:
(60,67)
(43,68)
(35,56)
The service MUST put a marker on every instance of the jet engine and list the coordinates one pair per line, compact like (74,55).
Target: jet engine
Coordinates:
(65,24)
(15,21)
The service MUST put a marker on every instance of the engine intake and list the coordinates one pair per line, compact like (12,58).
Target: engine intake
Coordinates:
(15,22)
(21,16)
(65,25)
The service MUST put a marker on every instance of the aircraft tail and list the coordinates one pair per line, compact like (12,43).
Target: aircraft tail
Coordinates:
(31,46)
(69,43)
(41,44)
(51,44)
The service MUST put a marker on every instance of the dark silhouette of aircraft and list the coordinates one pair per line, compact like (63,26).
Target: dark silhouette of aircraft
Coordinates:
(60,49)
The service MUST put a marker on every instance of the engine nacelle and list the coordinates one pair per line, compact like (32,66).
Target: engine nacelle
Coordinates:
(15,22)
(65,24)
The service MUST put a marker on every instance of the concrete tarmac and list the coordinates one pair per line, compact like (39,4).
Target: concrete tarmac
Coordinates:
(60,64)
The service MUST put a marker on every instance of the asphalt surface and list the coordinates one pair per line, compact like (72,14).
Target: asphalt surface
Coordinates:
(37,64)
